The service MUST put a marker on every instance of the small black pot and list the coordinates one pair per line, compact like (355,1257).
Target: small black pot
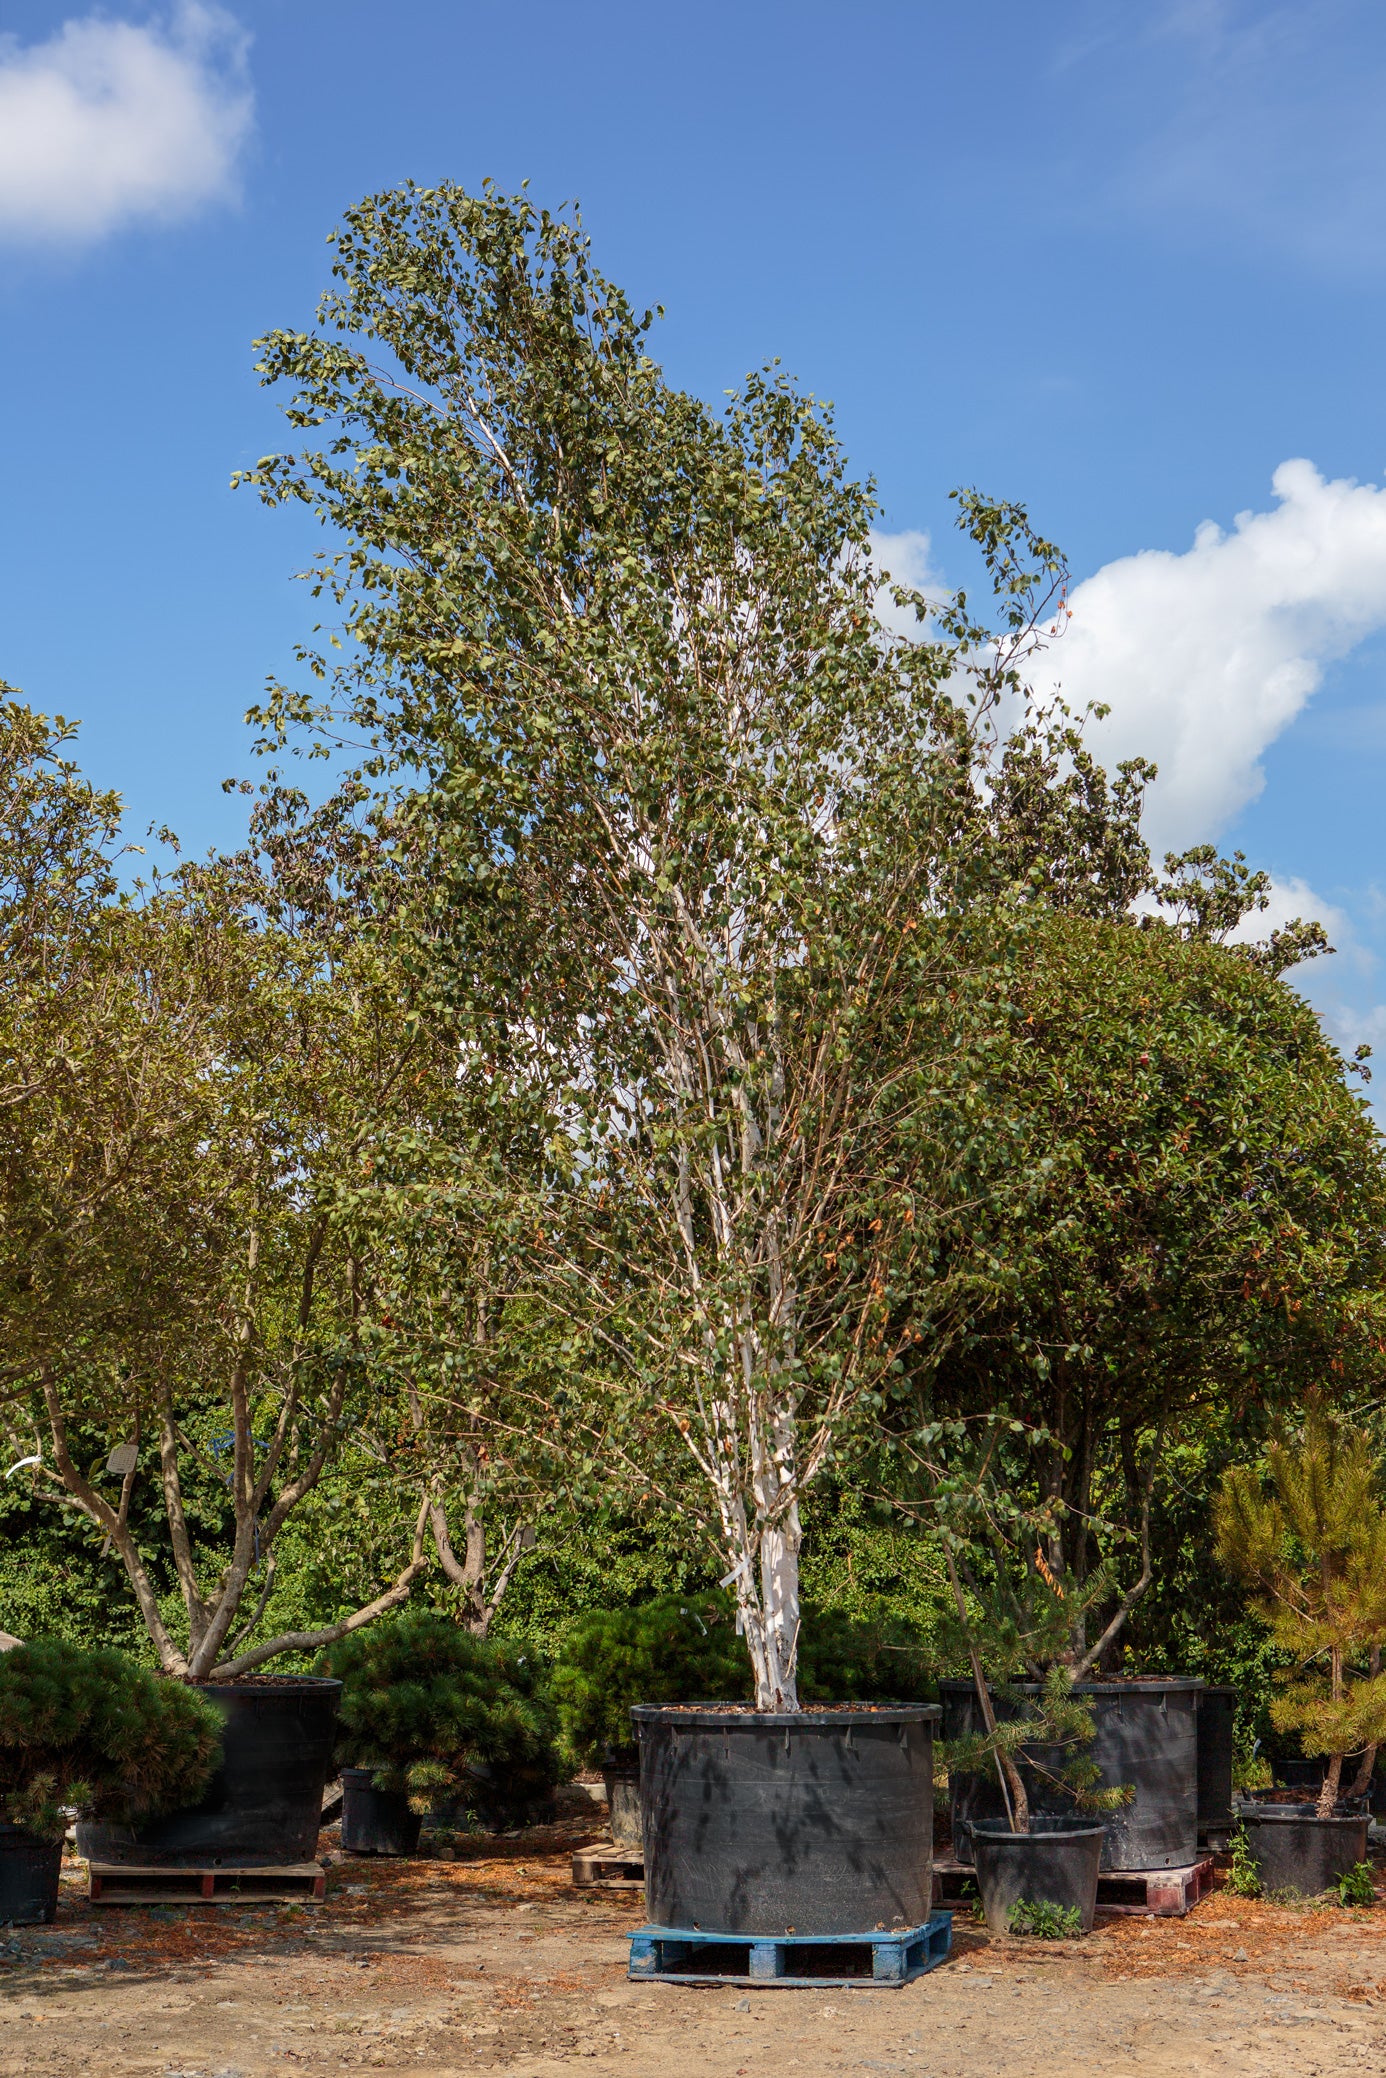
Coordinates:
(29,1868)
(264,1804)
(376,1821)
(1054,1864)
(622,1781)
(1299,1852)
(816,1821)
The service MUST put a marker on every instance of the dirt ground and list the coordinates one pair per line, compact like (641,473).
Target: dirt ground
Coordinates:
(493,1962)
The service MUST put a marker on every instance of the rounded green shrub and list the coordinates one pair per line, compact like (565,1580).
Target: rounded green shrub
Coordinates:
(445,1716)
(684,1649)
(91,1731)
(678,1649)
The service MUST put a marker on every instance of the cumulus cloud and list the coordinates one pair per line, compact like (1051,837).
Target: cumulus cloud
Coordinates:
(907,558)
(110,122)
(1205,658)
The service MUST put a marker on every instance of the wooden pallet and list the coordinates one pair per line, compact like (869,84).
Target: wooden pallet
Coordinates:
(621,1867)
(1158,1893)
(114,1883)
(683,1956)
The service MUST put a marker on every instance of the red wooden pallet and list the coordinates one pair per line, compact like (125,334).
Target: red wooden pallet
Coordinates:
(1157,1893)
(115,1883)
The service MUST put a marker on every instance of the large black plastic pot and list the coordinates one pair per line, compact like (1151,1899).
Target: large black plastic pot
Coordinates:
(1217,1711)
(1297,1851)
(1055,1863)
(1145,1738)
(264,1803)
(376,1821)
(622,1783)
(815,1822)
(29,1869)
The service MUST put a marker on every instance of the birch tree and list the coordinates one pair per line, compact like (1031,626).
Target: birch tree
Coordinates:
(701,843)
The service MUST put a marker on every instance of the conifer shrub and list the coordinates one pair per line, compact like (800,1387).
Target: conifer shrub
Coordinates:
(91,1731)
(684,1649)
(445,1716)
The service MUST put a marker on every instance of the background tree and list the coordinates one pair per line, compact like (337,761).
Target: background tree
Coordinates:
(245,1023)
(1204,1233)
(1310,1544)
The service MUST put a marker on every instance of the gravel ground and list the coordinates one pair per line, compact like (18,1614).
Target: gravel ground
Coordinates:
(493,1962)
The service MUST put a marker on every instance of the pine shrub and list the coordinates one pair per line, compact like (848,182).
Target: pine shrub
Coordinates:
(92,1731)
(445,1716)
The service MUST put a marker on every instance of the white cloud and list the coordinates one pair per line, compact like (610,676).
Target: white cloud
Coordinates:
(1205,658)
(1289,897)
(908,558)
(109,122)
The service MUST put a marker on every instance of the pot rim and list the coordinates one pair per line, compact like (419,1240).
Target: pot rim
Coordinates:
(1139,1684)
(1298,1814)
(268,1685)
(981,1828)
(835,1717)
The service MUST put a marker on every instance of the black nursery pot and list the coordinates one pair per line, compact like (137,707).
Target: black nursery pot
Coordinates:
(264,1804)
(1146,1737)
(376,1821)
(810,1822)
(1217,1711)
(622,1784)
(1056,1863)
(1297,1851)
(29,1869)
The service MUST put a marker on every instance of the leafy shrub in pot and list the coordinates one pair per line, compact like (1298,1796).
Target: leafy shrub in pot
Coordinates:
(443,1717)
(93,1732)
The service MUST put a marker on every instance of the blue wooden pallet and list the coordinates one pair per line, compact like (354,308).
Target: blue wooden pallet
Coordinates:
(678,1955)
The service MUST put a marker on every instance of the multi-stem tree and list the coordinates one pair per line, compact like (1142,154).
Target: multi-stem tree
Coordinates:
(703,838)
(186,1275)
(1306,1534)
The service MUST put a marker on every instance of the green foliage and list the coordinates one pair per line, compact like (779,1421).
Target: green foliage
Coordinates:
(1043,1920)
(1244,1874)
(93,1730)
(680,1649)
(440,1713)
(684,1649)
(1357,1885)
(1202,1244)
(1306,1534)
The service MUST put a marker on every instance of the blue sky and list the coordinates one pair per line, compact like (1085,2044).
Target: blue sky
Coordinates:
(1124,263)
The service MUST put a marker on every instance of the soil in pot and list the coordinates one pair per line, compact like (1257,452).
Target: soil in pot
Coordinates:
(264,1803)
(623,1803)
(29,1869)
(1054,1865)
(1299,1852)
(376,1821)
(813,1822)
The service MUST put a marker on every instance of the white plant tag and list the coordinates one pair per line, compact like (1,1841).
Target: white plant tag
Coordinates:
(123,1459)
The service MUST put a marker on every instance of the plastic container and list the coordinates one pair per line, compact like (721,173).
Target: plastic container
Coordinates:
(376,1821)
(29,1869)
(623,1804)
(1145,1738)
(1297,1851)
(815,1822)
(1217,1711)
(1055,1863)
(264,1804)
